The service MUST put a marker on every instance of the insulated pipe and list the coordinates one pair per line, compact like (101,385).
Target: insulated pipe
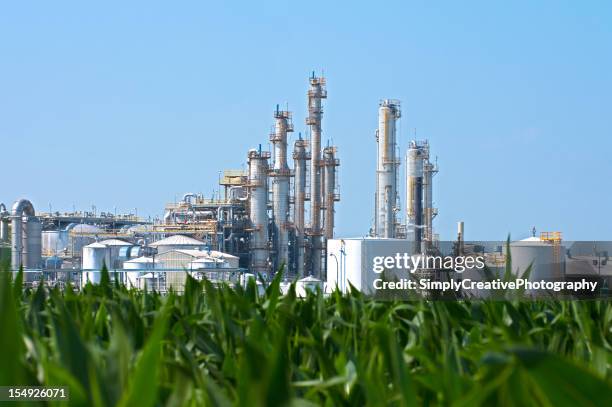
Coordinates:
(316,93)
(386,169)
(20,208)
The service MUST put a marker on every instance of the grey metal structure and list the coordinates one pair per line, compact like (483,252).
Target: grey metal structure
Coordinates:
(386,169)
(280,175)
(4,222)
(258,210)
(316,93)
(414,192)
(429,212)
(26,236)
(300,156)
(330,162)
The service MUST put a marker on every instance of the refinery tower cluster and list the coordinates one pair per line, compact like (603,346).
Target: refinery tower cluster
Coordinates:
(277,214)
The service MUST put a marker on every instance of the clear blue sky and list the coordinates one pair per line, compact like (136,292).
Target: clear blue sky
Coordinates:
(130,104)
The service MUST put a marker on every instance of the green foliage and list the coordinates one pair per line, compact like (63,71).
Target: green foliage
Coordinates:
(232,346)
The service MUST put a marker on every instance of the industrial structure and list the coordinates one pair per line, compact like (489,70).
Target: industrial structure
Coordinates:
(387,167)
(256,220)
(271,217)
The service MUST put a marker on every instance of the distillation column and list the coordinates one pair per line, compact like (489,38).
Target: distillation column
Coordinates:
(300,155)
(386,169)
(280,187)
(429,212)
(330,162)
(414,194)
(258,210)
(316,93)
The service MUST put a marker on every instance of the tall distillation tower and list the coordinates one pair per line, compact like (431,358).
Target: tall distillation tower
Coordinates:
(300,156)
(386,169)
(280,175)
(330,195)
(258,210)
(419,195)
(316,93)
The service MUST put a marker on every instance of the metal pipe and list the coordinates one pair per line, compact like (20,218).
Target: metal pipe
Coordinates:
(386,169)
(316,93)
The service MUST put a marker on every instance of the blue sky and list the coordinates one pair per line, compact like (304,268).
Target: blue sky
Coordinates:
(131,105)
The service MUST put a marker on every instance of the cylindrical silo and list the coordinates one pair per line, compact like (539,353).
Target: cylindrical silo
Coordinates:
(414,193)
(95,255)
(316,93)
(386,168)
(547,258)
(280,187)
(258,210)
(300,155)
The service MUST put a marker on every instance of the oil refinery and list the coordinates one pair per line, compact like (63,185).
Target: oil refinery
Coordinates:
(274,215)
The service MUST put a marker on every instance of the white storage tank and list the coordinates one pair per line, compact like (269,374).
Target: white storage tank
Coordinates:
(95,255)
(178,242)
(80,235)
(351,261)
(115,247)
(54,242)
(136,267)
(547,258)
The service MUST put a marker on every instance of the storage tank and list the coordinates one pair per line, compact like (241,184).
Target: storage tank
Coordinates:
(138,265)
(114,250)
(95,255)
(548,258)
(178,242)
(80,235)
(54,242)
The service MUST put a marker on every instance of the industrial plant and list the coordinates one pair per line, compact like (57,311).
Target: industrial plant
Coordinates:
(274,216)
(258,226)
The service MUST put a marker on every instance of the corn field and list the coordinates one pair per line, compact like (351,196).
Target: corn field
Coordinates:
(228,346)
